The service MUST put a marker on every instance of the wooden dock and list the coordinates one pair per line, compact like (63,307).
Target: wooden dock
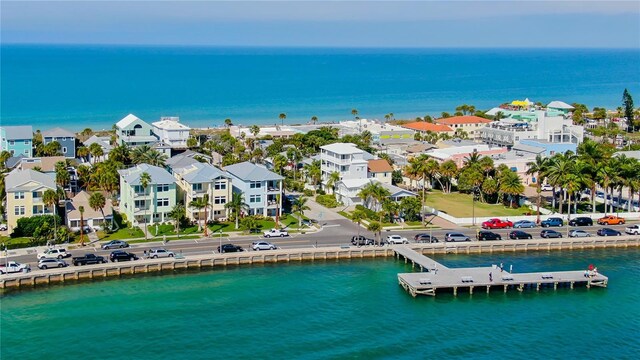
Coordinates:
(434,276)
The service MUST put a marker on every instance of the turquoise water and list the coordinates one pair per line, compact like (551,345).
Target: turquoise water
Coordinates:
(348,309)
(95,86)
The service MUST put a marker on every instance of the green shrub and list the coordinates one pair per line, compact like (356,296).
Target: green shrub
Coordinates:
(27,226)
(371,215)
(308,192)
(327,200)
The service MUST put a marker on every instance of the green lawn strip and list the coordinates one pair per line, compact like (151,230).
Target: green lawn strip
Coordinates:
(461,205)
(345,214)
(15,243)
(185,237)
(121,234)
(169,229)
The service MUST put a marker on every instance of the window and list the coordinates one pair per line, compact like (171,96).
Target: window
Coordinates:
(18,210)
(255,199)
(18,195)
(138,189)
(26,142)
(156,216)
(221,185)
(162,187)
(26,152)
(64,150)
(140,204)
(163,202)
(11,142)
(255,185)
(36,194)
(197,187)
(220,200)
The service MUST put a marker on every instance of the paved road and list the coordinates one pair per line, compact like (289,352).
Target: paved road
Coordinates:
(333,233)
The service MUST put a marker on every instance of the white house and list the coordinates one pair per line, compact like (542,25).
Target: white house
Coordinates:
(90,217)
(345,159)
(347,191)
(133,131)
(170,131)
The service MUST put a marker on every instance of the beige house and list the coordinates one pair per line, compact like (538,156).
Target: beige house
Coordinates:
(25,189)
(196,180)
(468,123)
(90,217)
(380,169)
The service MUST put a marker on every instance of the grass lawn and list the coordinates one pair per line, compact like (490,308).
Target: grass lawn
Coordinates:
(15,243)
(289,221)
(460,205)
(121,234)
(169,230)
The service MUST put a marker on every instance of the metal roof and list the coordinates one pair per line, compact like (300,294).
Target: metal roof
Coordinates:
(158,175)
(17,178)
(18,132)
(248,171)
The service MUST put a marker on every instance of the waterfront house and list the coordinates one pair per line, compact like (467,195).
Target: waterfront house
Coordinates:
(132,131)
(198,179)
(261,188)
(25,189)
(424,127)
(182,160)
(151,205)
(170,131)
(469,124)
(103,141)
(345,159)
(64,137)
(347,191)
(379,169)
(18,140)
(90,217)
(46,164)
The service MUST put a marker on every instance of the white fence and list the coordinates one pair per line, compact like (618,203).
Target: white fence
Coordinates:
(480,219)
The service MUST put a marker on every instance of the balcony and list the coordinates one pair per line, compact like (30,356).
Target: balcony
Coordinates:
(140,194)
(141,210)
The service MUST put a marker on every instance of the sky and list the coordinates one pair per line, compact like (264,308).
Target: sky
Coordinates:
(578,24)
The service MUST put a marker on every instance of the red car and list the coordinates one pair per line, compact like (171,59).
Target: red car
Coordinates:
(496,224)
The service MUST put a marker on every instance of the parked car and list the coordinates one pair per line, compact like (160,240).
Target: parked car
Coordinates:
(121,255)
(547,233)
(3,227)
(85,229)
(553,221)
(115,244)
(361,240)
(611,220)
(633,229)
(55,253)
(578,233)
(227,248)
(397,239)
(519,234)
(455,237)
(425,238)
(524,224)
(51,263)
(546,187)
(263,245)
(13,267)
(581,221)
(88,259)
(488,235)
(160,253)
(608,232)
(496,224)
(275,233)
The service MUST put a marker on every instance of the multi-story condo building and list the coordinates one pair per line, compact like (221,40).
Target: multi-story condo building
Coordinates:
(64,137)
(132,131)
(25,189)
(18,140)
(198,179)
(261,188)
(153,203)
(170,131)
(469,124)
(345,159)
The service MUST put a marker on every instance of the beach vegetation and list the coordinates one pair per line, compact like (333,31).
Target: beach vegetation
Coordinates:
(328,200)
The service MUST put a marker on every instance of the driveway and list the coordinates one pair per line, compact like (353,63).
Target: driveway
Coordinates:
(321,213)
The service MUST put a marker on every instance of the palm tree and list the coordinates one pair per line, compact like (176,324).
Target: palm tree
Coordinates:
(376,228)
(282,117)
(97,202)
(82,152)
(155,158)
(145,180)
(593,154)
(50,198)
(96,151)
(120,153)
(357,216)
(200,204)
(255,130)
(390,207)
(314,173)
(62,174)
(354,112)
(511,184)
(538,167)
(236,205)
(81,210)
(279,162)
(138,154)
(332,180)
(228,123)
(314,119)
(177,213)
(299,206)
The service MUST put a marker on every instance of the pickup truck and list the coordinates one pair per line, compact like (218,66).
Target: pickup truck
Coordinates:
(611,220)
(275,233)
(14,267)
(496,224)
(89,259)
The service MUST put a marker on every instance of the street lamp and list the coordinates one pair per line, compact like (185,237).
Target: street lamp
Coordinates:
(473,206)
(220,231)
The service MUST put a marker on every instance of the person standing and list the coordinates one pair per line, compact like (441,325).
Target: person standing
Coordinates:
(490,277)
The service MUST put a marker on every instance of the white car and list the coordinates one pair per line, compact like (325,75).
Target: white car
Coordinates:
(275,233)
(397,239)
(263,245)
(58,253)
(3,227)
(633,229)
(160,253)
(546,187)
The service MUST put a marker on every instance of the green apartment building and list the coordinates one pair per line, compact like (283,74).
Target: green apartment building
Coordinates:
(153,203)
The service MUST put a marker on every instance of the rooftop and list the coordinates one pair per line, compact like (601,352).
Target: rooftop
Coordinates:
(17,178)
(103,141)
(379,165)
(248,171)
(127,120)
(426,126)
(467,119)
(170,123)
(201,173)
(58,132)
(18,132)
(82,199)
(342,148)
(46,164)
(158,175)
(560,105)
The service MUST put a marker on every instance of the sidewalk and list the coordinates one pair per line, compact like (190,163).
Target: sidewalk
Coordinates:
(321,213)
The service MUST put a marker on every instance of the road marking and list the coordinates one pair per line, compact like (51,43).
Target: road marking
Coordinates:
(332,225)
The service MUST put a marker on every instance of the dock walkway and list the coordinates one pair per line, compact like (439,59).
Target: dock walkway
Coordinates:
(434,276)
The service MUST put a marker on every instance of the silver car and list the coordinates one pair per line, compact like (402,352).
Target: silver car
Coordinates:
(160,253)
(456,236)
(51,263)
(263,245)
(578,233)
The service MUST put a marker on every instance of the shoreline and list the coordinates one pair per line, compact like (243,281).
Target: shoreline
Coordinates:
(77,274)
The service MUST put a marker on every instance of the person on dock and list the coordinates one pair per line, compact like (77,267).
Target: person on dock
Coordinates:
(490,277)
(144,256)
(501,267)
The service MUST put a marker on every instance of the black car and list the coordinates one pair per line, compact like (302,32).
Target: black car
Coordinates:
(581,221)
(425,238)
(227,248)
(488,235)
(361,240)
(547,234)
(608,232)
(517,234)
(121,255)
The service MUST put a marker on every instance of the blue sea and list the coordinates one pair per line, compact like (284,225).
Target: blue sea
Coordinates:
(95,86)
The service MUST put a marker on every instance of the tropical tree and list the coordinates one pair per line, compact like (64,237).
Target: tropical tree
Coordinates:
(145,180)
(81,210)
(96,151)
(300,206)
(177,213)
(139,154)
(120,154)
(255,130)
(314,119)
(50,198)
(97,202)
(62,174)
(155,158)
(236,206)
(357,216)
(313,173)
(332,180)
(201,203)
(511,185)
(354,113)
(279,162)
(539,168)
(282,117)
(228,123)
(390,208)
(376,228)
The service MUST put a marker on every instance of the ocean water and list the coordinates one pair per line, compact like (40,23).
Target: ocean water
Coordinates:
(95,86)
(330,310)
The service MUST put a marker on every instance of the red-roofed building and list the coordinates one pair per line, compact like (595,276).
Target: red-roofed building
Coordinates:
(380,169)
(423,127)
(468,123)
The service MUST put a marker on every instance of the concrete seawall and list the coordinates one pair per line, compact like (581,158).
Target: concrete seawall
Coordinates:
(71,274)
